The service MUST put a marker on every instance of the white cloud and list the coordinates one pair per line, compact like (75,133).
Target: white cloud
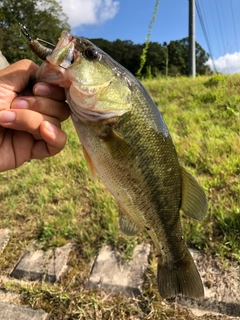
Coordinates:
(230,63)
(82,12)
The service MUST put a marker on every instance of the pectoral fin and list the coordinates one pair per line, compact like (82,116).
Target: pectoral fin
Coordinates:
(91,168)
(116,144)
(194,201)
(126,226)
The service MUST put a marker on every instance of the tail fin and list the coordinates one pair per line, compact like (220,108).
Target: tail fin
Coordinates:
(180,278)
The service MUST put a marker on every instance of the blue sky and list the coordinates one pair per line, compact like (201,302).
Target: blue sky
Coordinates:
(130,19)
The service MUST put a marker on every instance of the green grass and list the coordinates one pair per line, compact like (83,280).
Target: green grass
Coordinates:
(55,201)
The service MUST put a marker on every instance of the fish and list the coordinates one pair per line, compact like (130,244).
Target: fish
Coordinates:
(127,144)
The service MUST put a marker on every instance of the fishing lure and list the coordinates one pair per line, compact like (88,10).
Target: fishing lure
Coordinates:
(41,51)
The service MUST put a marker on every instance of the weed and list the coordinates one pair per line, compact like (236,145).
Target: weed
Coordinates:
(215,80)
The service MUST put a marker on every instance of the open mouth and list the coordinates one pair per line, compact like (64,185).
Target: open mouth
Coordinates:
(64,40)
(64,53)
(63,56)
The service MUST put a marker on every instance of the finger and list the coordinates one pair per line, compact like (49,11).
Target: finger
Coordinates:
(22,144)
(54,141)
(16,76)
(25,120)
(43,105)
(24,147)
(49,91)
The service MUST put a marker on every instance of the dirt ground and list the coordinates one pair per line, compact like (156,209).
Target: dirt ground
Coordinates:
(222,289)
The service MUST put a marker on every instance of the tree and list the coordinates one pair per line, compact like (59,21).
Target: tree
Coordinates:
(43,18)
(166,59)
(178,58)
(124,52)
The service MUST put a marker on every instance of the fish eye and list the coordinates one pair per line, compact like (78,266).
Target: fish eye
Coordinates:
(91,53)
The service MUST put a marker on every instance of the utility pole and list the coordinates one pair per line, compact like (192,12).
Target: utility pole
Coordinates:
(191,35)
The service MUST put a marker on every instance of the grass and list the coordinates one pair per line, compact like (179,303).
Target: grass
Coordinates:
(55,201)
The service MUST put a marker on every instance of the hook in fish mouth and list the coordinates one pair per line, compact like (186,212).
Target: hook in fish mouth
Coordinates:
(58,61)
(64,48)
(64,54)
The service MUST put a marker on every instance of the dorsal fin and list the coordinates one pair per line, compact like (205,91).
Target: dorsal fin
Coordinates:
(194,201)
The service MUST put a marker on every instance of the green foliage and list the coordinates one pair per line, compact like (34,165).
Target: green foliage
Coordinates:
(167,59)
(125,52)
(43,18)
(215,80)
(178,58)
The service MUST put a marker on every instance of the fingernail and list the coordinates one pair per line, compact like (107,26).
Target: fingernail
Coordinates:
(41,89)
(50,127)
(7,116)
(19,103)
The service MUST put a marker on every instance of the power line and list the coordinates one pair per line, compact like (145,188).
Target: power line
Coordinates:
(205,32)
(225,29)
(204,16)
(224,47)
(214,24)
(234,25)
(204,21)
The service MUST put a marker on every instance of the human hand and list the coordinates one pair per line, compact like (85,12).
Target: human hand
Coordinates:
(29,117)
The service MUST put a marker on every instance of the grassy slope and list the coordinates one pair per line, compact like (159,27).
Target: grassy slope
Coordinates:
(55,201)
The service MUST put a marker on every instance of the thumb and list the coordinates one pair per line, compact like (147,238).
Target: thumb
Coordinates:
(16,76)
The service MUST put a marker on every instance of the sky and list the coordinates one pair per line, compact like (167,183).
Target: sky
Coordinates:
(130,19)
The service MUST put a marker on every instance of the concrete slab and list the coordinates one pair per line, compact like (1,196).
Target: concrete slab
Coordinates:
(37,264)
(110,274)
(4,238)
(8,296)
(13,312)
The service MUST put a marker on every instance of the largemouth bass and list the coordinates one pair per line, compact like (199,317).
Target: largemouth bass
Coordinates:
(127,143)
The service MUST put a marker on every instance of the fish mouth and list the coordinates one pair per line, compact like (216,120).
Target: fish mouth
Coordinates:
(64,53)
(53,69)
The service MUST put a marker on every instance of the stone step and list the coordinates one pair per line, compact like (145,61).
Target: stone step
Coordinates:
(110,274)
(4,239)
(36,264)
(10,311)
